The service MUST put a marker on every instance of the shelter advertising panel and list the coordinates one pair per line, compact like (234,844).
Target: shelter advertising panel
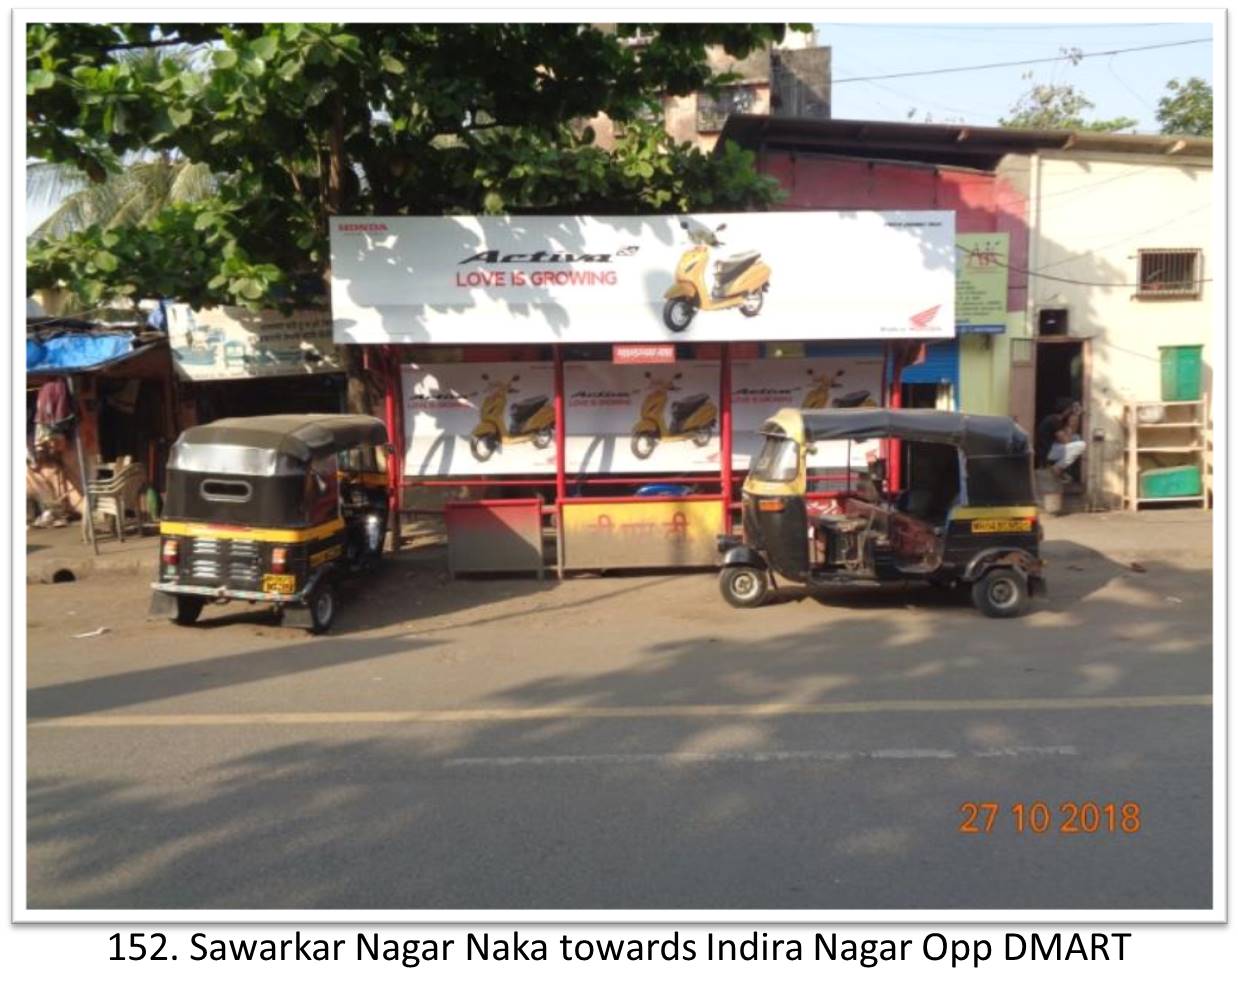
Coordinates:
(467,419)
(760,387)
(654,278)
(642,419)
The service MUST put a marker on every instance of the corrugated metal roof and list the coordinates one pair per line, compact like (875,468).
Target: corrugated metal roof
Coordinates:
(953,144)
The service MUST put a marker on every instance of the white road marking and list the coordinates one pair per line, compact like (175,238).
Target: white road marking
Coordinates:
(755,757)
(542,713)
(518,714)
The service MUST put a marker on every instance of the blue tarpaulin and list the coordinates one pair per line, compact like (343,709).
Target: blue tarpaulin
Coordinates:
(75,351)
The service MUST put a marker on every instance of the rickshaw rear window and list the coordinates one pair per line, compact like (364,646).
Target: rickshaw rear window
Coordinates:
(777,461)
(214,489)
(999,480)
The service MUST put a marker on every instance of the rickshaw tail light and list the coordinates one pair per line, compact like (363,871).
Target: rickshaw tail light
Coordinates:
(170,553)
(771,505)
(279,560)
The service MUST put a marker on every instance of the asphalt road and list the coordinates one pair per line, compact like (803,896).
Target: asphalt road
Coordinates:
(625,742)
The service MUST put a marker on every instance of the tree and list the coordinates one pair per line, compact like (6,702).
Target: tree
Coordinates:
(134,196)
(147,181)
(1058,107)
(1187,109)
(303,121)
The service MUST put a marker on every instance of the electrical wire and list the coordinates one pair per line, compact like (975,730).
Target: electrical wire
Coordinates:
(1007,265)
(1072,57)
(998,26)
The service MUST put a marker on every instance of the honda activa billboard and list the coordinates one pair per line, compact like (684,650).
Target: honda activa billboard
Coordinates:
(654,278)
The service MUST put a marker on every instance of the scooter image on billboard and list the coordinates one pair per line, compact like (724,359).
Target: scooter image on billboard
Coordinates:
(819,393)
(531,420)
(692,418)
(739,281)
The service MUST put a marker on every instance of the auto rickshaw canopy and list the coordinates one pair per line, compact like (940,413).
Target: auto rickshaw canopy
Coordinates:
(272,444)
(973,435)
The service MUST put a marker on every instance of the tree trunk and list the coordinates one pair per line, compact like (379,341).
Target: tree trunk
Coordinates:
(365,393)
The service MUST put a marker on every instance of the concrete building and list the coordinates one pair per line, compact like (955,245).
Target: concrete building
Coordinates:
(789,80)
(1122,265)
(1110,253)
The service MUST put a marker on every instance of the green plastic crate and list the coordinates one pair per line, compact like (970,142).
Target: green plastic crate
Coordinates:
(1171,482)
(1181,373)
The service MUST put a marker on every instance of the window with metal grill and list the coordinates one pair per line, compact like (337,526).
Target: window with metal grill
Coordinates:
(1169,273)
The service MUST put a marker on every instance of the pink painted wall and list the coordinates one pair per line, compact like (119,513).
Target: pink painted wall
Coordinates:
(982,202)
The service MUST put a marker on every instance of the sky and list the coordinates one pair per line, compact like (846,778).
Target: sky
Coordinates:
(1125,85)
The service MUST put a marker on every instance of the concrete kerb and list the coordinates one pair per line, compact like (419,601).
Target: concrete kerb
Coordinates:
(54,566)
(1180,536)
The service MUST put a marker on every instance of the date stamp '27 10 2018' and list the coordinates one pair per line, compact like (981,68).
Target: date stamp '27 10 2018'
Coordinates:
(1066,818)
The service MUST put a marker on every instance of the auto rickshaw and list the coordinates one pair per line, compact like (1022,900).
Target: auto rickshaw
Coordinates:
(276,509)
(967,517)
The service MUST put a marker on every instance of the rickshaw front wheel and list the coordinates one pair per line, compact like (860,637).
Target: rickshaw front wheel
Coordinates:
(1001,594)
(188,608)
(744,587)
(322,607)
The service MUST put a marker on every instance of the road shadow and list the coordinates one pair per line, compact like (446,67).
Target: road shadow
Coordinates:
(522,814)
(142,686)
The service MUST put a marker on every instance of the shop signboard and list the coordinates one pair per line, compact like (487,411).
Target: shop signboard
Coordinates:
(981,281)
(769,276)
(228,343)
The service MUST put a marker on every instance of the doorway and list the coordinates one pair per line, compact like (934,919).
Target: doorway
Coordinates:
(1061,377)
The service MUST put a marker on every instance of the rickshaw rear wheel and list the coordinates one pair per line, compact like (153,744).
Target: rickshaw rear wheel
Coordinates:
(188,608)
(744,587)
(322,607)
(1001,594)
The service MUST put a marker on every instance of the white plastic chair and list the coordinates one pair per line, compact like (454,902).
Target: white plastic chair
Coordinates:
(117,489)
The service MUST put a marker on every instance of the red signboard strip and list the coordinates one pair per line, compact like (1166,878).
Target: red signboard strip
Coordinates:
(646,353)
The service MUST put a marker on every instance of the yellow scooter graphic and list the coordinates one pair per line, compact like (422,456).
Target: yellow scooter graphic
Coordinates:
(740,281)
(818,395)
(532,420)
(692,418)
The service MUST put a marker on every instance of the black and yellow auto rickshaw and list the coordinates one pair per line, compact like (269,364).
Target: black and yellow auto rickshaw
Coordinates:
(967,516)
(275,509)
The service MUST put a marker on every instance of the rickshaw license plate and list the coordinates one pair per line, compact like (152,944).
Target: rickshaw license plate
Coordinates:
(1001,525)
(279,584)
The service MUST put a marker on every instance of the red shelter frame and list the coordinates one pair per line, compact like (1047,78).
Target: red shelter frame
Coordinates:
(387,365)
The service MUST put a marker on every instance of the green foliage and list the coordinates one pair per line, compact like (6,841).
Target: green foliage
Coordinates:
(188,252)
(1059,107)
(135,195)
(1187,109)
(304,121)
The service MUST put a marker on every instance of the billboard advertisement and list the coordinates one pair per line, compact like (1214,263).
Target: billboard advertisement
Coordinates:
(643,279)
